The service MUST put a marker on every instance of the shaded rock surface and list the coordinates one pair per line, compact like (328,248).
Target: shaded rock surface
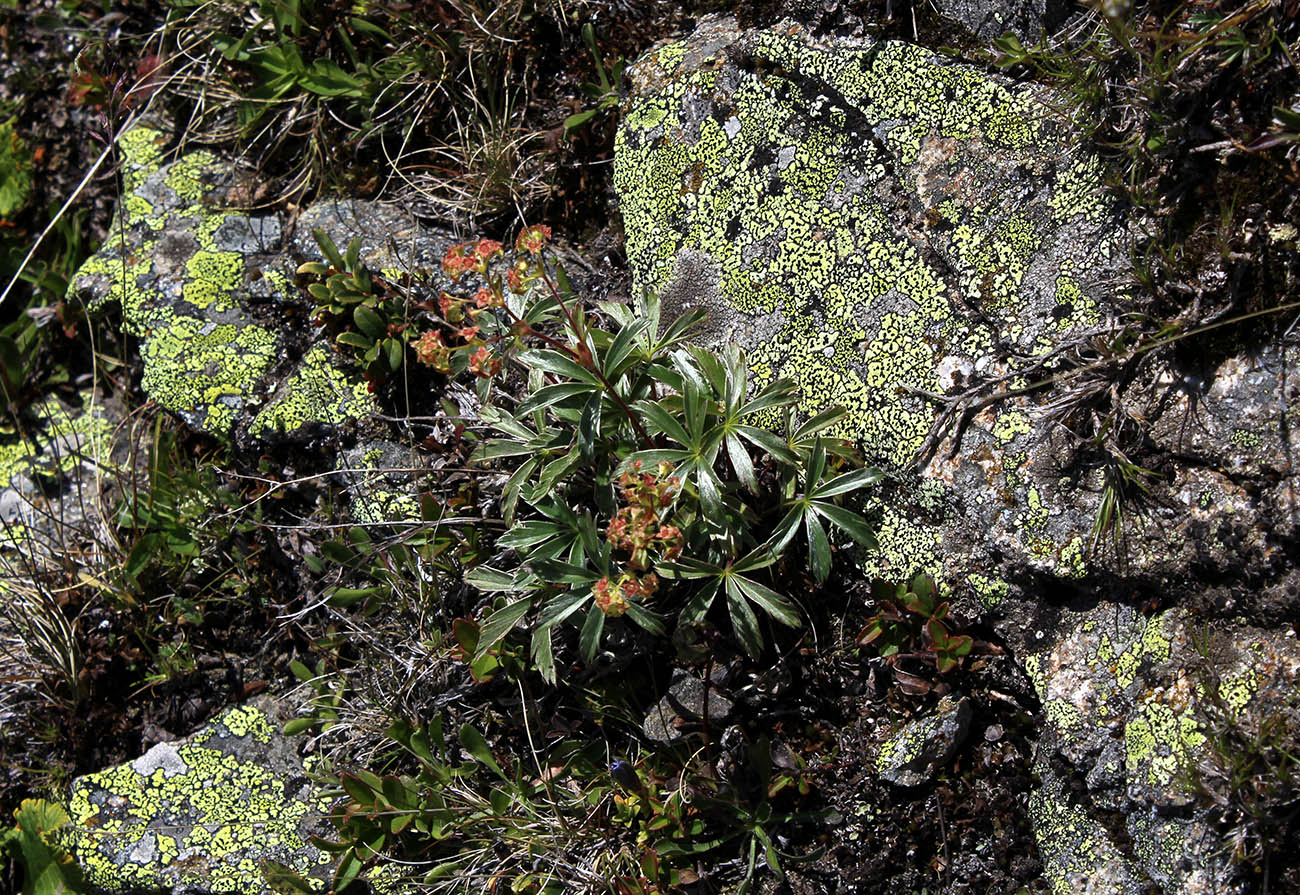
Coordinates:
(201,814)
(987,19)
(685,705)
(57,465)
(920,750)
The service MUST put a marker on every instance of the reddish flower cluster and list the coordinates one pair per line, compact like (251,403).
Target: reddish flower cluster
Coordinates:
(484,363)
(636,527)
(464,257)
(533,239)
(432,351)
(460,312)
(613,597)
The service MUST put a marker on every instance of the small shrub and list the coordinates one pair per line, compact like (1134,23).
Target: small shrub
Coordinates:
(912,623)
(635,457)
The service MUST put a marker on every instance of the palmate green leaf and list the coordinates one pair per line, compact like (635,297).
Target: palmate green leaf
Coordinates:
(647,620)
(589,426)
(589,640)
(771,602)
(743,619)
(502,421)
(706,480)
(510,492)
(849,522)
(553,549)
(785,530)
(560,364)
(758,558)
(767,441)
(818,423)
(497,625)
(698,606)
(741,463)
(651,459)
(491,580)
(562,607)
(553,394)
(543,654)
(527,534)
(661,420)
(565,573)
(620,355)
(819,548)
(849,481)
(686,567)
(680,329)
(715,370)
(552,472)
(558,510)
(816,464)
(781,393)
(695,402)
(491,450)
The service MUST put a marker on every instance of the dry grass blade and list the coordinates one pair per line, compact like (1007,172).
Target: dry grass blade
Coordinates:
(43,642)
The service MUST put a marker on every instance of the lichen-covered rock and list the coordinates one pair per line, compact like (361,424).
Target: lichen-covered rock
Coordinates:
(877,222)
(381,478)
(209,291)
(1127,701)
(201,815)
(183,269)
(905,235)
(1078,853)
(56,467)
(920,750)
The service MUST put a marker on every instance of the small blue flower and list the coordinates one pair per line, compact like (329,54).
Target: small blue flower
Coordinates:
(625,775)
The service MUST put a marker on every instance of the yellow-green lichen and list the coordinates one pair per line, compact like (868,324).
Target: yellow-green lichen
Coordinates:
(1077,853)
(1159,741)
(782,193)
(1244,438)
(991,591)
(205,359)
(194,813)
(321,390)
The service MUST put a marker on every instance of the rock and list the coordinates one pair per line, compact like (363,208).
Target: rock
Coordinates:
(931,246)
(182,270)
(50,469)
(683,705)
(919,241)
(209,291)
(1077,850)
(201,815)
(380,479)
(876,221)
(1027,19)
(1128,700)
(922,748)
